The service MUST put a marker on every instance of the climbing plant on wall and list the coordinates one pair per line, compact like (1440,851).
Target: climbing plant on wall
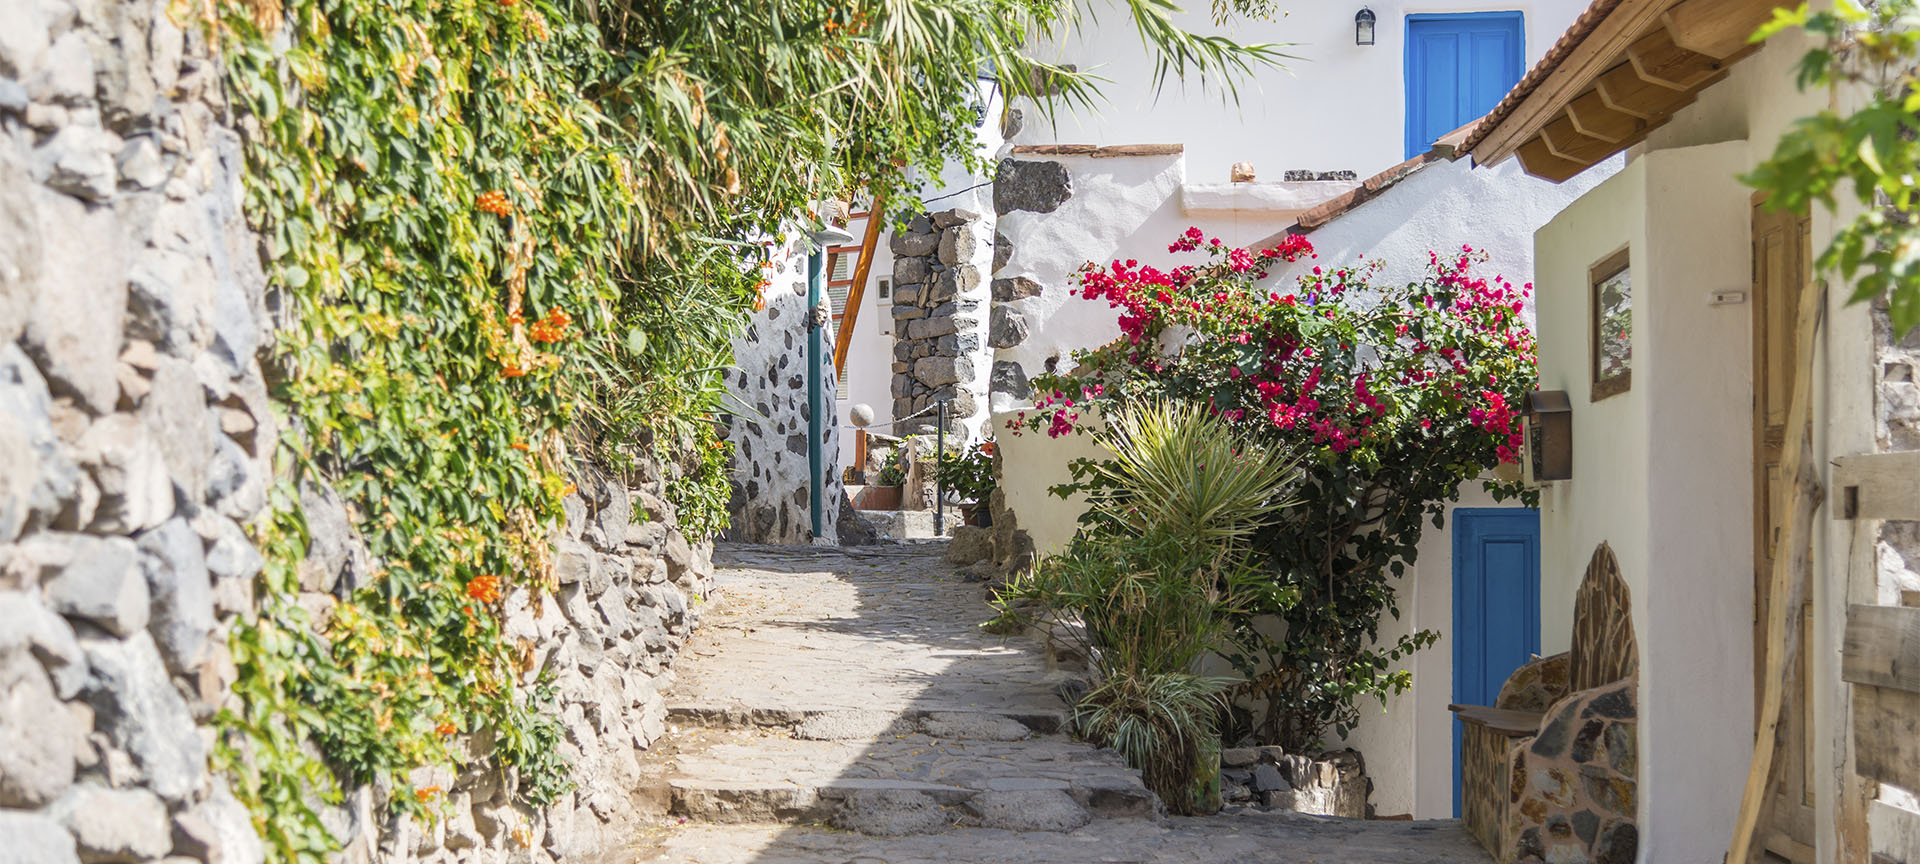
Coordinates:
(503,231)
(1868,151)
(1394,394)
(447,215)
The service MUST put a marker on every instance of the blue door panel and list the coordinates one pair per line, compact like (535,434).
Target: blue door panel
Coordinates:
(1496,605)
(1458,66)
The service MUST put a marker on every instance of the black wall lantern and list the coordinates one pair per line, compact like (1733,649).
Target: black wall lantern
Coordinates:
(1363,27)
(1547,446)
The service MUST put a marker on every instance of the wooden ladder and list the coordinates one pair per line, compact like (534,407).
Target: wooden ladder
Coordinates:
(849,312)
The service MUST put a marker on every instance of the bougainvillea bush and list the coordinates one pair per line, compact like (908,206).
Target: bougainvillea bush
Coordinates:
(1394,395)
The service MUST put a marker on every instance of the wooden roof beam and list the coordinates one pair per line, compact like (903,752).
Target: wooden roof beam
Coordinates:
(1567,142)
(1658,59)
(1717,28)
(1568,78)
(1540,161)
(1594,118)
(1623,89)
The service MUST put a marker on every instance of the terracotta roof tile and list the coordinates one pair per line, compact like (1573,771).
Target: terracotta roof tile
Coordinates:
(1569,41)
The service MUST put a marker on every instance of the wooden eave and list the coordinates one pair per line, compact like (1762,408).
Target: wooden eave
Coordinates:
(1620,72)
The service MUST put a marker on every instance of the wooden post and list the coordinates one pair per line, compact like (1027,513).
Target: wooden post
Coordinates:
(1792,563)
(876,214)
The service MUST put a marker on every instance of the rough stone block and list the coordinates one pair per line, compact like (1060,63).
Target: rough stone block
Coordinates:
(27,626)
(1038,187)
(175,414)
(95,579)
(910,270)
(334,549)
(948,218)
(1029,810)
(127,465)
(136,705)
(1007,328)
(36,475)
(911,245)
(937,371)
(174,564)
(33,838)
(115,825)
(37,762)
(957,244)
(74,324)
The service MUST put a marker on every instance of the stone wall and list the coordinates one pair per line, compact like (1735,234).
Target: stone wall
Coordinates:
(135,434)
(135,443)
(939,297)
(772,486)
(1897,406)
(629,595)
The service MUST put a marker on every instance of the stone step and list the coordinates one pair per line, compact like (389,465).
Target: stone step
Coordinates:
(900,784)
(839,724)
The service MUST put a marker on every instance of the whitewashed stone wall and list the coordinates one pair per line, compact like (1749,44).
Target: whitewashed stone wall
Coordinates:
(135,442)
(772,483)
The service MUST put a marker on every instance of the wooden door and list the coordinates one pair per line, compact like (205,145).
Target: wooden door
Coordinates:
(1781,270)
(1496,607)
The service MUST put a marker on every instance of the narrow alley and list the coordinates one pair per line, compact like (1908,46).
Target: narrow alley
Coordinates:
(843,705)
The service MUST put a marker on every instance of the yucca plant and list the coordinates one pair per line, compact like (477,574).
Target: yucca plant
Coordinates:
(1154,578)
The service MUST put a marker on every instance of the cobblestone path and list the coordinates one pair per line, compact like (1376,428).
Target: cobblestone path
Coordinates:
(842,706)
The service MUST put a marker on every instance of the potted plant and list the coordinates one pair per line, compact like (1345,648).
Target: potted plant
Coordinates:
(969,474)
(884,494)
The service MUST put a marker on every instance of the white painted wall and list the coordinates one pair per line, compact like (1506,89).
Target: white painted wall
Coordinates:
(1131,208)
(769,376)
(1338,106)
(1691,432)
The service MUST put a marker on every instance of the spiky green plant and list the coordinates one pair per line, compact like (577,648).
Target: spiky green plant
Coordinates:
(1151,583)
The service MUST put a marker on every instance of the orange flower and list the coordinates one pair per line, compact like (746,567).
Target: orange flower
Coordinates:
(552,328)
(484,588)
(987,448)
(520,446)
(425,792)
(445,729)
(494,202)
(511,371)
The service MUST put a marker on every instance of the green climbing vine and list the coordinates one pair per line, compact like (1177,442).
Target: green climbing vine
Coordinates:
(447,216)
(501,232)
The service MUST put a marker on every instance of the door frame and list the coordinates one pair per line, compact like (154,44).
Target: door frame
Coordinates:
(1518,16)
(1462,538)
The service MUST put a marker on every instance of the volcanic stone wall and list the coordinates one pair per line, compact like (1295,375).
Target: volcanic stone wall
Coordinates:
(938,296)
(136,436)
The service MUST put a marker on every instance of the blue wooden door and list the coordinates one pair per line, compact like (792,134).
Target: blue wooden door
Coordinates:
(1458,67)
(1496,605)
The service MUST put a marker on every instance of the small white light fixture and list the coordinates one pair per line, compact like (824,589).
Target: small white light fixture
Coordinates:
(1363,27)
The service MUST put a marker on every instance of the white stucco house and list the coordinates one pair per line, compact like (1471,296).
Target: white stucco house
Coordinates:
(1686,333)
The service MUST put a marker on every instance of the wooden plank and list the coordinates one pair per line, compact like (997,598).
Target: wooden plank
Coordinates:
(1786,847)
(1511,723)
(1569,143)
(1886,735)
(1791,567)
(1717,28)
(863,267)
(1540,161)
(1657,59)
(1598,52)
(1623,90)
(1882,647)
(1878,485)
(1595,119)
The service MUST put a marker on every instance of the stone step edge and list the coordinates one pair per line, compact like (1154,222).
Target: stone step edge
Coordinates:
(837,802)
(710,716)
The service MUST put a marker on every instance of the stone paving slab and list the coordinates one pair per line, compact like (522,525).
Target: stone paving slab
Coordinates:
(1244,838)
(885,628)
